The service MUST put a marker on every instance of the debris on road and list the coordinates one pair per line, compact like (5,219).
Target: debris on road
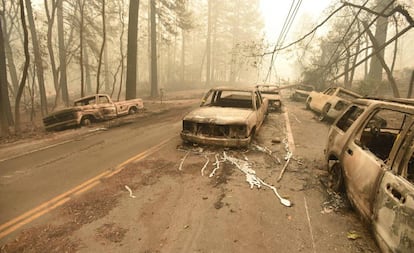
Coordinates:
(217,164)
(98,129)
(252,178)
(130,192)
(267,151)
(262,149)
(288,156)
(182,161)
(205,165)
(335,202)
(353,235)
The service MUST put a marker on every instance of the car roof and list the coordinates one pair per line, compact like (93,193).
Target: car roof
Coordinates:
(377,100)
(90,96)
(249,89)
(266,85)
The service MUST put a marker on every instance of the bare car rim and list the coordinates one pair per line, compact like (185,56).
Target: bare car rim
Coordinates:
(324,112)
(86,121)
(132,110)
(336,180)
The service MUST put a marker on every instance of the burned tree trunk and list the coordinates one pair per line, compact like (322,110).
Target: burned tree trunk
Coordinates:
(154,71)
(25,68)
(380,58)
(375,70)
(131,79)
(37,59)
(4,94)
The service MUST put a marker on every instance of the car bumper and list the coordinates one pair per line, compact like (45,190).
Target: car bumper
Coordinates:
(216,141)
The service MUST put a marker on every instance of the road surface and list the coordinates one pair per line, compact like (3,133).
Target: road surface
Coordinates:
(146,192)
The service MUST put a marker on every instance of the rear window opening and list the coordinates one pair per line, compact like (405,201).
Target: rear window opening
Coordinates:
(234,99)
(381,132)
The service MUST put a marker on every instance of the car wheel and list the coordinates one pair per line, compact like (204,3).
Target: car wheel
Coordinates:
(132,110)
(86,121)
(324,112)
(308,103)
(336,179)
(252,134)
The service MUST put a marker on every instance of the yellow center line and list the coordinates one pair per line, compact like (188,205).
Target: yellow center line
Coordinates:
(139,157)
(53,200)
(59,200)
(32,218)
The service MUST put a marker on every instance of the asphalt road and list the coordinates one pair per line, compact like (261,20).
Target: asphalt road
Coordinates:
(171,206)
(32,179)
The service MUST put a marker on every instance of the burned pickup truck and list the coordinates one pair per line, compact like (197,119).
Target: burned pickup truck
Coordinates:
(226,117)
(370,156)
(272,93)
(91,109)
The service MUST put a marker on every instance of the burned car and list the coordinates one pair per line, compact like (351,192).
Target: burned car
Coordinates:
(226,117)
(370,156)
(90,109)
(272,93)
(302,92)
(331,102)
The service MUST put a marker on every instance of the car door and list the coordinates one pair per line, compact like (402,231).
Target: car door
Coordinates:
(394,205)
(260,109)
(106,108)
(368,155)
(320,99)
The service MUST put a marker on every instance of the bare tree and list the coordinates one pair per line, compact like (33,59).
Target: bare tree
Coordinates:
(10,12)
(154,70)
(37,59)
(384,65)
(25,68)
(63,83)
(4,94)
(208,44)
(81,45)
(98,74)
(381,27)
(120,67)
(50,15)
(131,78)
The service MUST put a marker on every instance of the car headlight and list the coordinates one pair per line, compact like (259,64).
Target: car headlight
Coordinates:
(189,126)
(238,131)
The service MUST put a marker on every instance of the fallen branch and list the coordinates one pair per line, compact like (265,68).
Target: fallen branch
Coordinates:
(252,178)
(205,166)
(217,164)
(130,192)
(267,151)
(182,160)
(288,156)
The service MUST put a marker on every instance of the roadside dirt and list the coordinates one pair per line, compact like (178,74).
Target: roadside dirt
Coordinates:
(175,206)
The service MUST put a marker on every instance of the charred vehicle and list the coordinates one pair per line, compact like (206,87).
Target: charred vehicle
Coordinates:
(226,117)
(272,93)
(331,102)
(302,92)
(90,109)
(370,156)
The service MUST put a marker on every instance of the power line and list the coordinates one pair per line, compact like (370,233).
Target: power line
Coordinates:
(293,10)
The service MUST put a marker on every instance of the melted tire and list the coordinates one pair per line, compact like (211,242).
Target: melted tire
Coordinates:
(336,179)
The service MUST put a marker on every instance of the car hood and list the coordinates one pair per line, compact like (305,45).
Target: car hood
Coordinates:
(219,115)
